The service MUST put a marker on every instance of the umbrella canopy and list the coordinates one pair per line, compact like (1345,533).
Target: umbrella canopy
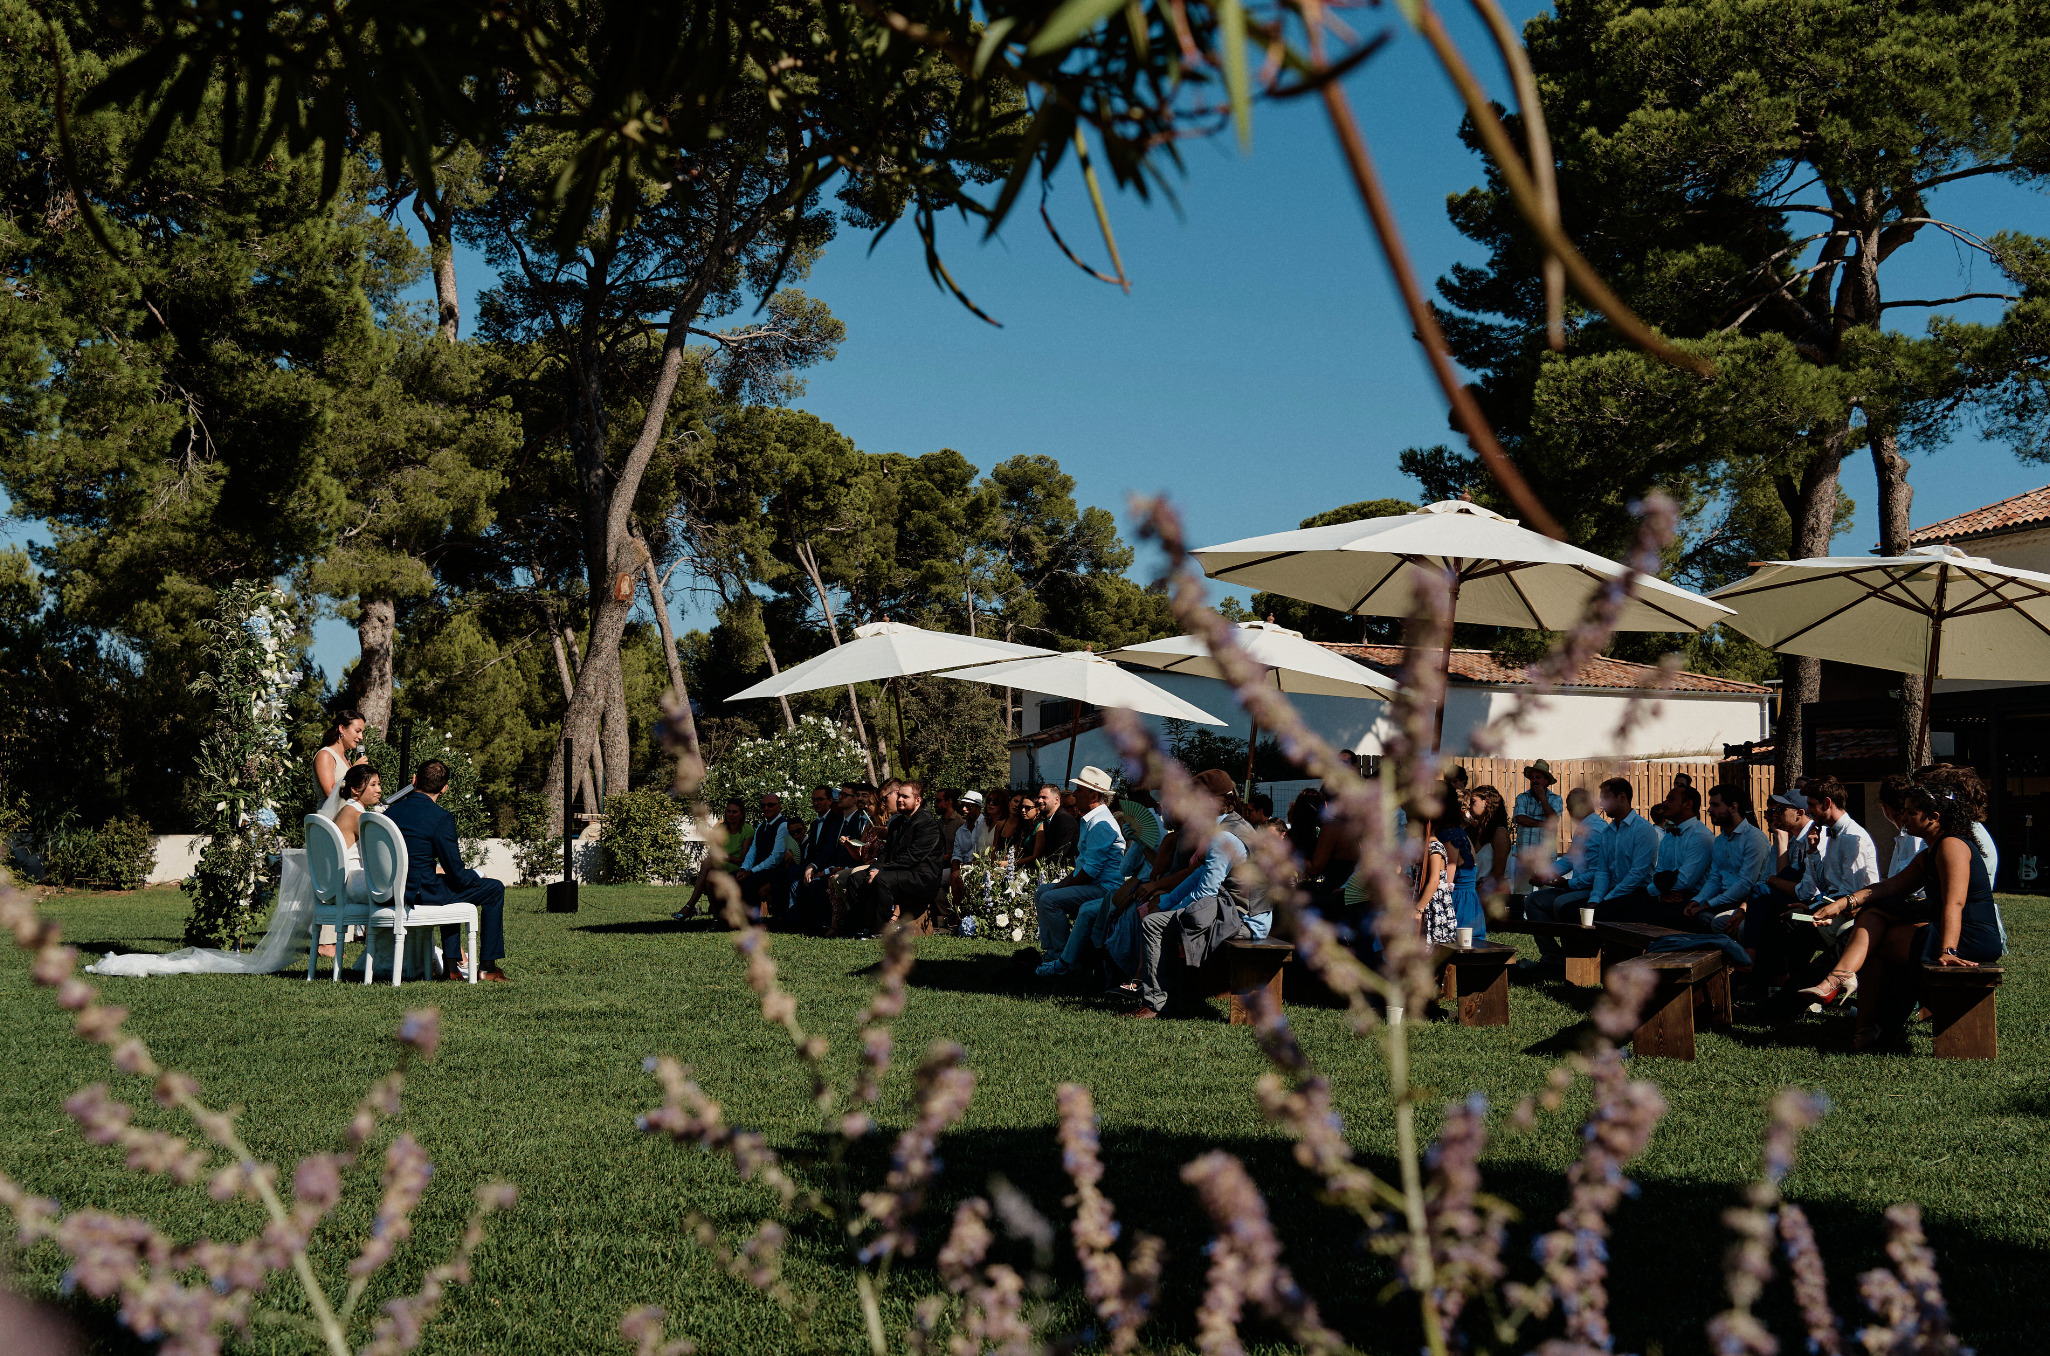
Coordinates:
(1084,677)
(1508,575)
(1295,665)
(1935,611)
(882,650)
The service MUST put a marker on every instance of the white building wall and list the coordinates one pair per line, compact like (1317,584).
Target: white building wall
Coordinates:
(1579,724)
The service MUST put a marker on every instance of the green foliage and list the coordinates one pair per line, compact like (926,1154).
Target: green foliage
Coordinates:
(119,854)
(1199,748)
(817,752)
(642,840)
(537,852)
(464,797)
(244,768)
(954,733)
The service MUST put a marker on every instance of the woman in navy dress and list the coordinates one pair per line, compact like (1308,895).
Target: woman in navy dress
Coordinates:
(1953,924)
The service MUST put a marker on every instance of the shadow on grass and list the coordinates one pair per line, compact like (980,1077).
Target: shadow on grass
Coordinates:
(639,927)
(1667,1246)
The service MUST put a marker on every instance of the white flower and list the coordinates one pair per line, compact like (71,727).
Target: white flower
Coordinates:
(1017,934)
(1003,920)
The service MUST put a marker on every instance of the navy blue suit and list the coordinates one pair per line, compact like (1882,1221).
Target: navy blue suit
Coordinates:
(430,833)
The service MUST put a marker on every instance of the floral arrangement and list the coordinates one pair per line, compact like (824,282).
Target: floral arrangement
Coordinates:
(817,752)
(999,905)
(245,762)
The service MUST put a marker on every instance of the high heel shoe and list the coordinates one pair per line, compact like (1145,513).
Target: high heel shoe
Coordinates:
(1835,990)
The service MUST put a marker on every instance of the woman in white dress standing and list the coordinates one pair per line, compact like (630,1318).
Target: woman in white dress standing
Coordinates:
(340,752)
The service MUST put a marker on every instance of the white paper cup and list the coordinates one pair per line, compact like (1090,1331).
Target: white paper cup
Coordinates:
(1587,918)
(1394,1015)
(1465,936)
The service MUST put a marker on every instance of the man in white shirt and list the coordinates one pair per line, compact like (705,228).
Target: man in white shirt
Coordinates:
(1845,858)
(971,838)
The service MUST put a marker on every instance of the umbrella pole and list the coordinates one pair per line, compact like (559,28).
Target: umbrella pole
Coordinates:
(1445,664)
(897,695)
(1916,755)
(1074,732)
(1252,743)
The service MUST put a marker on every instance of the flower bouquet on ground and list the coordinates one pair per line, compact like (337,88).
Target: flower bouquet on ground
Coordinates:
(999,904)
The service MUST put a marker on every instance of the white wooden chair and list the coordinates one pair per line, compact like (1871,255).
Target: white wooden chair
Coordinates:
(384,865)
(327,862)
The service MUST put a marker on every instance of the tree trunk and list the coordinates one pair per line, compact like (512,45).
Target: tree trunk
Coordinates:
(551,786)
(1896,502)
(372,683)
(768,652)
(439,222)
(810,562)
(617,739)
(1814,519)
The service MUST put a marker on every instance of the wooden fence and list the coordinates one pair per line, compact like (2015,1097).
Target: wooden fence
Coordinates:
(1650,782)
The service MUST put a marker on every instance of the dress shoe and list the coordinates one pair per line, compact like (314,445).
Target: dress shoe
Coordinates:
(497,975)
(1142,1014)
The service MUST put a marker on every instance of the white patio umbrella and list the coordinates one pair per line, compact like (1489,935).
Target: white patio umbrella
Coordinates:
(1501,574)
(1936,611)
(1294,665)
(882,650)
(1081,676)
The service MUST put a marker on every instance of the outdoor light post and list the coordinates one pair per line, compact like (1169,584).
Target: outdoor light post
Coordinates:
(562,894)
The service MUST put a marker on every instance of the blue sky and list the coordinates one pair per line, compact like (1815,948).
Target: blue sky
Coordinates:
(1261,368)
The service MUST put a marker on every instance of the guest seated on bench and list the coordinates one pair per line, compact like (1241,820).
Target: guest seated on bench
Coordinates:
(1622,872)
(1686,853)
(1895,934)
(1743,854)
(1211,885)
(1839,858)
(1564,890)
(1085,891)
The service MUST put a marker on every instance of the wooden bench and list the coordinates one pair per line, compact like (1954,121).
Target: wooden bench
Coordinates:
(1684,981)
(1961,1007)
(1621,941)
(1583,947)
(1474,980)
(1235,970)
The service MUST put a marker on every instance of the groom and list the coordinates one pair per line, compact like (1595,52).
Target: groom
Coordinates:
(430,839)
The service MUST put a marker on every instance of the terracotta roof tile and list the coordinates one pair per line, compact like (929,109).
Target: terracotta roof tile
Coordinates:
(2023,510)
(1480,666)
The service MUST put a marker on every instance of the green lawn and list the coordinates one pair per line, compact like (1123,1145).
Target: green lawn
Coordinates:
(539,1081)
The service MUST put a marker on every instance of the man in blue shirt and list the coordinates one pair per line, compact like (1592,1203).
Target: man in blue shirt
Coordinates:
(1536,812)
(1621,891)
(1227,849)
(1564,890)
(1686,853)
(1099,870)
(1743,856)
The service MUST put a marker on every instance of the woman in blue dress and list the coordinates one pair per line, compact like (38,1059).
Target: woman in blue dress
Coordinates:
(1466,897)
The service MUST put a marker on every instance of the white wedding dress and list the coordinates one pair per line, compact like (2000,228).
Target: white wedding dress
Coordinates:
(288,921)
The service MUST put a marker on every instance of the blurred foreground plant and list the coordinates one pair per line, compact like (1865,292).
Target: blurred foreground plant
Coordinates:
(190,1296)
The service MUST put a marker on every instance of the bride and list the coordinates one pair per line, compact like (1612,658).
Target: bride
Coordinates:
(338,762)
(360,792)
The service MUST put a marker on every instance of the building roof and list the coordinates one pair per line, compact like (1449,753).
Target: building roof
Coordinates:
(1482,667)
(2009,515)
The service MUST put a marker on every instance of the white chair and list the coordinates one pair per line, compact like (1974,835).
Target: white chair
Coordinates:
(327,858)
(384,865)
